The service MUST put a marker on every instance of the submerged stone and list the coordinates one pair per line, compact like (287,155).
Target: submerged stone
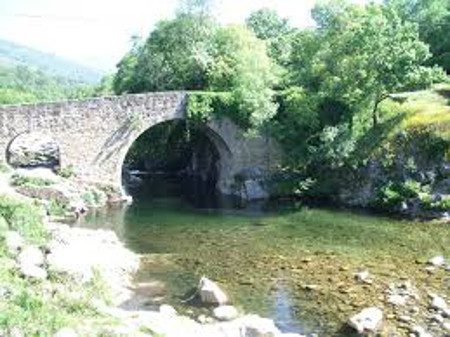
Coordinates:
(368,320)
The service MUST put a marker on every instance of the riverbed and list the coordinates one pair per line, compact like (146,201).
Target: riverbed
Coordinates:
(287,261)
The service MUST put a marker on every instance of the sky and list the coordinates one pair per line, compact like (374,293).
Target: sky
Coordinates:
(97,33)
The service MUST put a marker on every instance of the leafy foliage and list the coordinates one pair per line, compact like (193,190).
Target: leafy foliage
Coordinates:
(433,19)
(192,52)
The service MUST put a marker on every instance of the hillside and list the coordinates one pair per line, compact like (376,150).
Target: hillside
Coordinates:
(13,54)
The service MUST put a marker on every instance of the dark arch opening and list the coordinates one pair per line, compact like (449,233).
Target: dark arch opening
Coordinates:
(173,159)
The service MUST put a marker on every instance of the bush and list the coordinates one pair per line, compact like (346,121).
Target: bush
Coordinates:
(56,207)
(65,172)
(22,180)
(391,195)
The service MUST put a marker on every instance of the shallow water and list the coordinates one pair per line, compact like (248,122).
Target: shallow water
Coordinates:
(266,255)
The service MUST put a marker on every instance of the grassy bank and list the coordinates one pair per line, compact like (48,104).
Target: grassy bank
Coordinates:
(32,307)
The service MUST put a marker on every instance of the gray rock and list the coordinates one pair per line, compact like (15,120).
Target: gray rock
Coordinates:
(33,149)
(446,326)
(368,320)
(437,261)
(438,303)
(167,310)
(255,326)
(31,256)
(420,331)
(397,300)
(211,293)
(15,332)
(446,312)
(361,276)
(438,318)
(66,332)
(14,242)
(405,319)
(225,313)
(33,271)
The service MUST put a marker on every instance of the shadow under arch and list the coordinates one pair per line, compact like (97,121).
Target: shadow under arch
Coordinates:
(224,153)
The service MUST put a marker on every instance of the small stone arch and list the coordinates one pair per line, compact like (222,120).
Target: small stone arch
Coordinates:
(33,149)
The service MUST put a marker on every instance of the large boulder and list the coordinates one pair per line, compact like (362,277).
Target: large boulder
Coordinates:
(33,149)
(30,262)
(211,293)
(31,256)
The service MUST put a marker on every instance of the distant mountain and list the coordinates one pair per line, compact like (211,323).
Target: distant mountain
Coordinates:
(13,54)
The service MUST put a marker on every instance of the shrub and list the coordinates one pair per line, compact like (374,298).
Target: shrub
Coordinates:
(23,217)
(22,180)
(392,194)
(65,172)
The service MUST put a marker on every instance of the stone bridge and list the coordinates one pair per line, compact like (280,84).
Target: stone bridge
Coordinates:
(94,135)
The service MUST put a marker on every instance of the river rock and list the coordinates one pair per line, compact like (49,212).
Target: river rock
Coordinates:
(225,313)
(420,331)
(66,332)
(362,276)
(255,326)
(446,312)
(33,149)
(211,293)
(14,242)
(31,256)
(397,300)
(437,261)
(446,326)
(79,251)
(438,303)
(33,271)
(438,318)
(167,310)
(368,320)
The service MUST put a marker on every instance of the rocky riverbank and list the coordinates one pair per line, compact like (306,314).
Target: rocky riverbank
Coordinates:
(65,261)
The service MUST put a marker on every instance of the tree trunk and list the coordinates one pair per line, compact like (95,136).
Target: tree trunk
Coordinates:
(375,113)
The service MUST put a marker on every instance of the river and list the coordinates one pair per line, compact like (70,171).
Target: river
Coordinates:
(287,261)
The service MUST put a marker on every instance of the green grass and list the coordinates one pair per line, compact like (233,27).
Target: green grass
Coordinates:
(4,168)
(424,109)
(40,307)
(22,180)
(24,217)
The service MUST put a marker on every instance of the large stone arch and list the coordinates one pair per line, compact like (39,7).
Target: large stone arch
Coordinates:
(222,148)
(95,134)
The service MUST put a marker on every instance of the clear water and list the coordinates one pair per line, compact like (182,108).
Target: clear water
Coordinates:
(264,254)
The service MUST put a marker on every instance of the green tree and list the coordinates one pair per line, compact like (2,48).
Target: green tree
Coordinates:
(433,20)
(364,54)
(241,65)
(267,25)
(174,57)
